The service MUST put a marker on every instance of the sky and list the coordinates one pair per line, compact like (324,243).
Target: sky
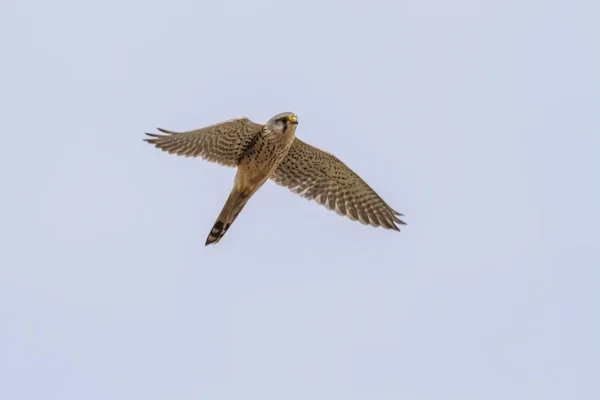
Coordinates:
(478,120)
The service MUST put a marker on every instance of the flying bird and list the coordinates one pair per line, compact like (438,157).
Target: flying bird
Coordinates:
(272,151)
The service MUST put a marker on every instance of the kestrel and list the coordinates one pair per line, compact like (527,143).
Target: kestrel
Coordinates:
(273,151)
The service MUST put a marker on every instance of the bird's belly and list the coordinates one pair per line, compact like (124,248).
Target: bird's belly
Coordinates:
(260,161)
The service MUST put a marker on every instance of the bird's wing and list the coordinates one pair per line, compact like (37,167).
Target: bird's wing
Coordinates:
(317,175)
(222,143)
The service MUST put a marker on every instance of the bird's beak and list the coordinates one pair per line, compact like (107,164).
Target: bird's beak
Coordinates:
(294,120)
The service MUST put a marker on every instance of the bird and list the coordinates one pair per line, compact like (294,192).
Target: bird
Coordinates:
(272,151)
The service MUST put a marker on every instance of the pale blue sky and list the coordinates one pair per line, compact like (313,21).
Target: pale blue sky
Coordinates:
(479,120)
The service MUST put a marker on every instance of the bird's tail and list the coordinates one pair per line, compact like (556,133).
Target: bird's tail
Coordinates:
(233,206)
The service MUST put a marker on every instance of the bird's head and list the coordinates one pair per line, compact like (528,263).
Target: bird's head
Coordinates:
(282,123)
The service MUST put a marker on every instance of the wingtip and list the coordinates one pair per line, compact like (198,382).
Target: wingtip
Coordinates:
(163,130)
(152,139)
(398,220)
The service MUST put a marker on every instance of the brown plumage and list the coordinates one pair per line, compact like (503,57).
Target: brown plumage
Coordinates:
(317,175)
(223,143)
(272,151)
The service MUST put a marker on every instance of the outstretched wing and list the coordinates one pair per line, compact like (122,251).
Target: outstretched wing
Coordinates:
(222,143)
(320,176)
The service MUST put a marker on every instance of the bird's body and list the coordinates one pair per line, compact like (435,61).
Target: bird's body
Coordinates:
(256,165)
(271,151)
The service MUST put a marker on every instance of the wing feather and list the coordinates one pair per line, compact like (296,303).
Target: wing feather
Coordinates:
(223,143)
(317,175)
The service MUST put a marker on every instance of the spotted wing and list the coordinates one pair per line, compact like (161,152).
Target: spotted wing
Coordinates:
(222,143)
(320,176)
